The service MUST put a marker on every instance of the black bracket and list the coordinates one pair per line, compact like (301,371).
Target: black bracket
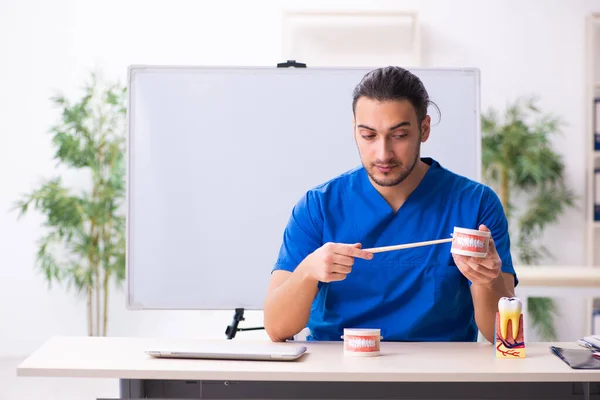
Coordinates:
(232,329)
(291,63)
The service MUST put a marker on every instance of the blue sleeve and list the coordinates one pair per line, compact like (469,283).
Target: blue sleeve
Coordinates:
(492,215)
(303,233)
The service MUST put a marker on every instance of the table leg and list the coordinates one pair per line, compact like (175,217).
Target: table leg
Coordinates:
(131,389)
(586,390)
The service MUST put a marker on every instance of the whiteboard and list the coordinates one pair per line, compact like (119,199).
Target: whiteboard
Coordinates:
(217,158)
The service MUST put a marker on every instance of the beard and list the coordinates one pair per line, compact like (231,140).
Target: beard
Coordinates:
(396,176)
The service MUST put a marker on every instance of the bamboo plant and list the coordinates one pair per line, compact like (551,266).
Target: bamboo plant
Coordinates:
(521,165)
(83,241)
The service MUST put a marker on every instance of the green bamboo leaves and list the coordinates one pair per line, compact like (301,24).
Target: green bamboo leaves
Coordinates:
(84,241)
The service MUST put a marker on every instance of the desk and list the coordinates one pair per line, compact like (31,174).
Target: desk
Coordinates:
(403,371)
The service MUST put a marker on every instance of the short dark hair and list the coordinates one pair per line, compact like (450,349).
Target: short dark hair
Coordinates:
(393,83)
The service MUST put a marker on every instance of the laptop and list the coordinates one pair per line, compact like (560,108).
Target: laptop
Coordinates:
(231,351)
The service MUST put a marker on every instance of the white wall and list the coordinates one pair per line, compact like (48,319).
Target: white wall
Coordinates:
(51,45)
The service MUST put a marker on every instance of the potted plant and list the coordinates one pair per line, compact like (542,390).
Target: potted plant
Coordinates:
(520,163)
(83,245)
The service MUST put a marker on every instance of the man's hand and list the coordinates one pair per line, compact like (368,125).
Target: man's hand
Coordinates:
(332,261)
(480,271)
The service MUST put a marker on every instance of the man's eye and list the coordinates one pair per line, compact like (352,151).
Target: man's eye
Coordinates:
(368,137)
(400,136)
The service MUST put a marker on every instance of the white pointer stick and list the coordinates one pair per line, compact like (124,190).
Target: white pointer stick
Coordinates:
(406,246)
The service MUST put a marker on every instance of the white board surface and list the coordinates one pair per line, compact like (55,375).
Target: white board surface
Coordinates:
(219,156)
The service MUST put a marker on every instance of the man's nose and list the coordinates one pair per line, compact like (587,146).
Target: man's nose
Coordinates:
(384,150)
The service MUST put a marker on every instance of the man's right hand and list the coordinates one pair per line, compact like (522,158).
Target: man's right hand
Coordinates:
(333,261)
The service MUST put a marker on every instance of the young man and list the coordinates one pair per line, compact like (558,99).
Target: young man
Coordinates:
(324,280)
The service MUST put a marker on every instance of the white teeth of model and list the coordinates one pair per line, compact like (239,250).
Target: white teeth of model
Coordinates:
(510,310)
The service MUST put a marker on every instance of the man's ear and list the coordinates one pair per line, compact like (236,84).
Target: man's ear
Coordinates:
(425,128)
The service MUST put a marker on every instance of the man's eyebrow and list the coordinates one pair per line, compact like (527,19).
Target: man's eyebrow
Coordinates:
(366,127)
(399,125)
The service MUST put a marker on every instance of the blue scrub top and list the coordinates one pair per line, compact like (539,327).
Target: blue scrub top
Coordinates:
(415,294)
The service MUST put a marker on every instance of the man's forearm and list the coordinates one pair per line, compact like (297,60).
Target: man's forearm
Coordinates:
(485,302)
(287,308)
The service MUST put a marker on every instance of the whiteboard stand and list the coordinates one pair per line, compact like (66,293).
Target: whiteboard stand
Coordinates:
(232,329)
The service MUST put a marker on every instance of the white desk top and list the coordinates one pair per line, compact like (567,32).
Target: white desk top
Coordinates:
(416,362)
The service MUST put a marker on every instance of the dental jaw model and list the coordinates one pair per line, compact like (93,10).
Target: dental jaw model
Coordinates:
(510,342)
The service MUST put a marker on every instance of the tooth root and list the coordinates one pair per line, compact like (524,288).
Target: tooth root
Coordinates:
(515,325)
(514,318)
(503,325)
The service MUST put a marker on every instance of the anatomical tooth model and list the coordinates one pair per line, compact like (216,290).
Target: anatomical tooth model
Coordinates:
(510,342)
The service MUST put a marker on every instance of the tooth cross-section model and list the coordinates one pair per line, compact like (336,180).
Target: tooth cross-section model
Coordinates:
(510,342)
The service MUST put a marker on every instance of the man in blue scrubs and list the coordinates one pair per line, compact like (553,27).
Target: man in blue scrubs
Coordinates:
(324,280)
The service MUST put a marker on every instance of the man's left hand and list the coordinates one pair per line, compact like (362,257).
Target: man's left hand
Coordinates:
(480,271)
